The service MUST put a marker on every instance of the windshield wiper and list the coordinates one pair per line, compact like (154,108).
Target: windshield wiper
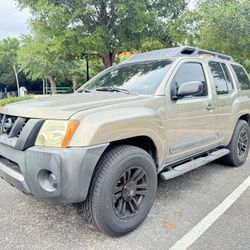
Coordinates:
(84,90)
(112,89)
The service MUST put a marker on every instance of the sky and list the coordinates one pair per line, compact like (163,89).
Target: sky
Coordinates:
(13,22)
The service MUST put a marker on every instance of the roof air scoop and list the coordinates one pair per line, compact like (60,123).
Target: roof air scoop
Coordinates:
(188,51)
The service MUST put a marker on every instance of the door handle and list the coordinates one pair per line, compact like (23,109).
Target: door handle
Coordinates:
(210,106)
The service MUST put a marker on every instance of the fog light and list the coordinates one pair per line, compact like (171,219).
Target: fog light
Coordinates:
(47,180)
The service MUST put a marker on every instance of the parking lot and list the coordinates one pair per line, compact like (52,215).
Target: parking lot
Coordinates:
(179,209)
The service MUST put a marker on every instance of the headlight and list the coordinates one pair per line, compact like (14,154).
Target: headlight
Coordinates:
(56,133)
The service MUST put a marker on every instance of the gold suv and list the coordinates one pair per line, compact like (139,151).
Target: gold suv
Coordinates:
(161,113)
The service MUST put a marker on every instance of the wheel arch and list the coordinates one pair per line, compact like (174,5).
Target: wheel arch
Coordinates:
(245,117)
(143,142)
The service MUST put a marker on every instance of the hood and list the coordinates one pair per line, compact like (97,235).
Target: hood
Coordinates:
(64,106)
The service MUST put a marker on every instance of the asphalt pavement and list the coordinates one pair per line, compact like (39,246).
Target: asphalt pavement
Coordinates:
(181,204)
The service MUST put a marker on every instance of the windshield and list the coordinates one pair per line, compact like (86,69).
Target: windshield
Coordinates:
(139,78)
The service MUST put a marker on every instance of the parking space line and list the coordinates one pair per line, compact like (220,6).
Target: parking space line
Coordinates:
(190,237)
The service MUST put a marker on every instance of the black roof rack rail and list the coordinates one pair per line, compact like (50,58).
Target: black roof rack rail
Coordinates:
(177,51)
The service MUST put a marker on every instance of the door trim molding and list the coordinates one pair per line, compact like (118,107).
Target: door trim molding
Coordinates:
(179,147)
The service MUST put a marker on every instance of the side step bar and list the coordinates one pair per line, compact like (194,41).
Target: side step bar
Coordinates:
(191,165)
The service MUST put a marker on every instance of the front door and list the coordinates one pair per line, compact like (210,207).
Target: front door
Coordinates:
(190,121)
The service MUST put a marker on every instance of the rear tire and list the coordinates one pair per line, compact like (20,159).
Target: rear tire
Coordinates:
(122,191)
(239,145)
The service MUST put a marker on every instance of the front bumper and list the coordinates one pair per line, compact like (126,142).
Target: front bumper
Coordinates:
(72,169)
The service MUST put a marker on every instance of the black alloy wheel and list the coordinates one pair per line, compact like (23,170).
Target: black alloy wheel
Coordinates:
(238,146)
(243,143)
(122,191)
(129,192)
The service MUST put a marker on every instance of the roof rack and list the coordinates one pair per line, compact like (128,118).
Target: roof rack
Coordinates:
(195,51)
(178,51)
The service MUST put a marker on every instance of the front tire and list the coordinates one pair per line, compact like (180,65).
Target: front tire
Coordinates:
(239,145)
(122,191)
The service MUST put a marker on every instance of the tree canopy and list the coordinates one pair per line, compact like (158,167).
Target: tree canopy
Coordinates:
(8,57)
(68,36)
(223,26)
(105,27)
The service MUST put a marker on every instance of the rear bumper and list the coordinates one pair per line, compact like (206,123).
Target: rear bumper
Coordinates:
(71,168)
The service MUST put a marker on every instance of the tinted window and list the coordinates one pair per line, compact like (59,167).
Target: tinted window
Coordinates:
(228,77)
(242,77)
(190,72)
(219,78)
(142,78)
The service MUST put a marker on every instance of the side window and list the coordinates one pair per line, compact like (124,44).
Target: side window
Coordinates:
(228,77)
(219,78)
(242,77)
(191,72)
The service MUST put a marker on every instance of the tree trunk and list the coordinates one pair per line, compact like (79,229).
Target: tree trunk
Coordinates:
(17,80)
(52,80)
(44,86)
(109,58)
(87,69)
(74,81)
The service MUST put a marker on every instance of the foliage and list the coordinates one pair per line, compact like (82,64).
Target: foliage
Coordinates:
(48,58)
(13,99)
(40,58)
(223,26)
(67,34)
(105,27)
(8,50)
(151,44)
(7,76)
(8,59)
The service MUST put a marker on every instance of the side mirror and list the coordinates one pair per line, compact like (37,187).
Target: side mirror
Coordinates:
(188,89)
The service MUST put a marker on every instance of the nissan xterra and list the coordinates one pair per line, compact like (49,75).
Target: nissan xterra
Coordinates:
(161,113)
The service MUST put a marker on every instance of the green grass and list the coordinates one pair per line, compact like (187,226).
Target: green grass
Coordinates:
(13,99)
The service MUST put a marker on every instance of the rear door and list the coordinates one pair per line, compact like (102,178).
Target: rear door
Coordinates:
(225,96)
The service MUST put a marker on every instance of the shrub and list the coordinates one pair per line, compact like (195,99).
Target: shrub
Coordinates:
(13,99)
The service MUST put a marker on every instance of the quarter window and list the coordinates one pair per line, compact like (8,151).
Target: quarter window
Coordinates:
(222,83)
(190,72)
(228,77)
(242,77)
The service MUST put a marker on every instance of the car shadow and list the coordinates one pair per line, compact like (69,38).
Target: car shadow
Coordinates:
(66,221)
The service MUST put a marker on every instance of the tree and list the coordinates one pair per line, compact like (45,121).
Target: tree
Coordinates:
(7,76)
(223,26)
(105,27)
(8,54)
(40,58)
(51,58)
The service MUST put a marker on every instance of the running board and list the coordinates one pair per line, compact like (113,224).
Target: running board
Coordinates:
(191,165)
